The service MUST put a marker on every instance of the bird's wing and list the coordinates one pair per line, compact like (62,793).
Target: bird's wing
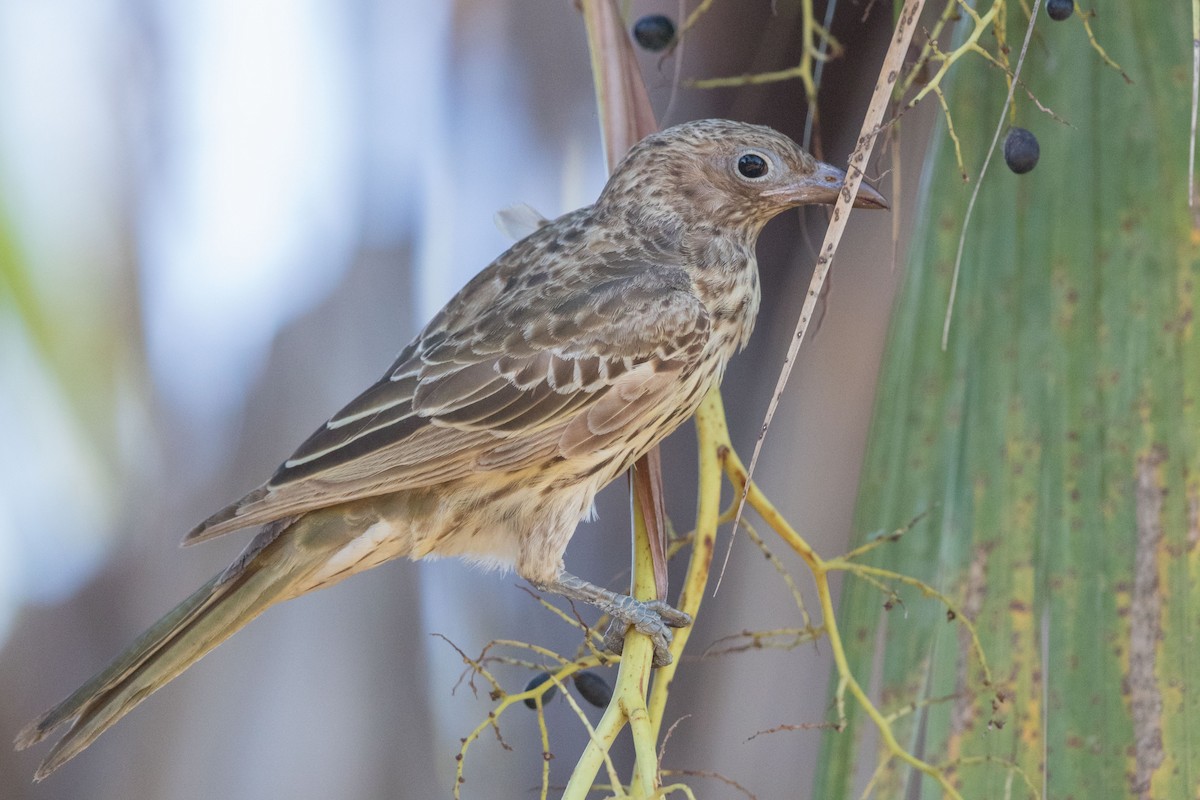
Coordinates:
(504,378)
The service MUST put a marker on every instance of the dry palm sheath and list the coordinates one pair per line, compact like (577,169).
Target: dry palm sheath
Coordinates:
(546,377)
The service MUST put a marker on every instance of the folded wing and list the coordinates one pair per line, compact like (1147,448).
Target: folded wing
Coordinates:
(513,373)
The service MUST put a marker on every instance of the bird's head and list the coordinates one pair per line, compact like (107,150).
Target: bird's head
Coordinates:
(721,173)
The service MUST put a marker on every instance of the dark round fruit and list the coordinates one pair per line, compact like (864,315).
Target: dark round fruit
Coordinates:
(593,688)
(654,32)
(536,681)
(1021,150)
(1060,9)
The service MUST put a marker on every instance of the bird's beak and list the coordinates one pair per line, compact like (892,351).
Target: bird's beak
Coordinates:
(823,186)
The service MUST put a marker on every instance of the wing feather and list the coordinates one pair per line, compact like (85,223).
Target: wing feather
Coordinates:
(492,384)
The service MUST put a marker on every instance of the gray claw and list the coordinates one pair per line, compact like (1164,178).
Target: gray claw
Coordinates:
(671,616)
(655,619)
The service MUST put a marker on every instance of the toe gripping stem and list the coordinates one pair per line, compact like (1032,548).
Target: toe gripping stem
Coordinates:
(654,618)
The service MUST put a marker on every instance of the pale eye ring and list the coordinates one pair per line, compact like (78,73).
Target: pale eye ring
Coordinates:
(753,166)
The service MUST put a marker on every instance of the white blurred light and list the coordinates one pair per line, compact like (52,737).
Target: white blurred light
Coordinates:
(53,518)
(253,217)
(60,190)
(57,141)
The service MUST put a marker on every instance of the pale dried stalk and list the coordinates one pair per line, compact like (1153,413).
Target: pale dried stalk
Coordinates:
(872,123)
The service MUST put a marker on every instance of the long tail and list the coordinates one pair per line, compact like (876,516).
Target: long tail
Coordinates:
(276,566)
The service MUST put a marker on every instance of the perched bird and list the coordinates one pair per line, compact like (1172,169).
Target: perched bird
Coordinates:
(545,378)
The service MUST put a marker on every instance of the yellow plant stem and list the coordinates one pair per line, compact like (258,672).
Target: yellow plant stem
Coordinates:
(820,570)
(712,435)
(629,695)
(929,51)
(716,455)
(812,34)
(982,23)
(629,706)
(535,694)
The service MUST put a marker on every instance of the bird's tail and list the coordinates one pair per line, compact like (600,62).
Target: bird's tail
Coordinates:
(276,566)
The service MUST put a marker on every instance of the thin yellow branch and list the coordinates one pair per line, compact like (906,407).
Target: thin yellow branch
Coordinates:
(1011,766)
(818,46)
(1087,26)
(894,536)
(884,727)
(929,50)
(916,705)
(981,24)
(958,156)
(953,612)
(628,705)
(712,434)
(820,570)
(784,575)
(694,17)
(544,735)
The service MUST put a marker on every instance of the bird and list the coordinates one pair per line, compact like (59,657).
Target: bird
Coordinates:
(546,377)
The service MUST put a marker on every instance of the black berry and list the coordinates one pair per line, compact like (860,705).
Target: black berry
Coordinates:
(1060,9)
(1021,150)
(593,688)
(536,681)
(654,32)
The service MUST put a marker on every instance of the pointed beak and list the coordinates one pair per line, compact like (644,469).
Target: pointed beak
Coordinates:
(823,186)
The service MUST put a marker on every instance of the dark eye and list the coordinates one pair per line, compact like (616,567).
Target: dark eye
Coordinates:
(752,165)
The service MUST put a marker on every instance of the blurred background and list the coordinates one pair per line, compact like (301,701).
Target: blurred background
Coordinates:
(219,221)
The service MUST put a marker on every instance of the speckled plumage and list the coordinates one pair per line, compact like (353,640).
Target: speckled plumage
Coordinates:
(547,376)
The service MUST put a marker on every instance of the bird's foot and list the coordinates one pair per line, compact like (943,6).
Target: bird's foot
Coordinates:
(654,618)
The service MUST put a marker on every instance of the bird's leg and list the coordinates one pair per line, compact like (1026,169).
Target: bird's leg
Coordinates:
(654,618)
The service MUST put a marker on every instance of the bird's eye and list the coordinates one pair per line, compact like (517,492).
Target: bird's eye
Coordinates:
(753,166)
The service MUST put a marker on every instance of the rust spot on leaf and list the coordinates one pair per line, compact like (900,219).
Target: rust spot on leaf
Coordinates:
(1145,627)
(1193,506)
(975,591)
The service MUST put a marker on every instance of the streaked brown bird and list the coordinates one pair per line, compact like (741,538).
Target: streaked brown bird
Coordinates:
(544,379)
